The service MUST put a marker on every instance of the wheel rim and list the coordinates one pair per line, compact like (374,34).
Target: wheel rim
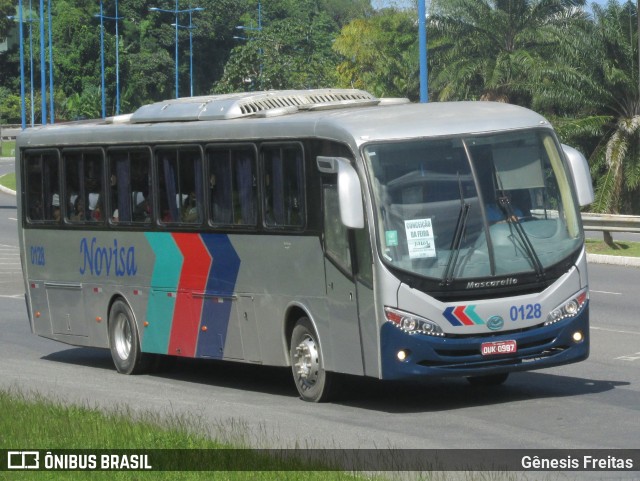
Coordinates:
(123,337)
(306,361)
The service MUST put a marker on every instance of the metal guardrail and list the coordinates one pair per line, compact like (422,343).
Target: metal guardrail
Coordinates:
(611,223)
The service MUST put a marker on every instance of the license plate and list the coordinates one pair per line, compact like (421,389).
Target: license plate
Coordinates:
(498,347)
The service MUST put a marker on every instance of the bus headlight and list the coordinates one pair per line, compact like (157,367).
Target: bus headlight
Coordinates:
(570,308)
(412,324)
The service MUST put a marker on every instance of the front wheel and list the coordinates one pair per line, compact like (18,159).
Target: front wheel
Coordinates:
(313,382)
(124,341)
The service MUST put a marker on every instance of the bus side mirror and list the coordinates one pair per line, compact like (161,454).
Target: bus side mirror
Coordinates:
(349,189)
(581,175)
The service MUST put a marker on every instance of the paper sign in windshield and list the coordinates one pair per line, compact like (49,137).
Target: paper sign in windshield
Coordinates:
(420,240)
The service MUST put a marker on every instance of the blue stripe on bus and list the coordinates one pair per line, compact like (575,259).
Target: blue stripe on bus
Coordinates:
(162,296)
(221,284)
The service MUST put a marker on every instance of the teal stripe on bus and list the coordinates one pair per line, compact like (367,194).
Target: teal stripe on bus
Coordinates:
(162,296)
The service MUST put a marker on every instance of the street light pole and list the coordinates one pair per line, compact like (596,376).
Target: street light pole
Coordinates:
(33,114)
(116,19)
(43,67)
(422,33)
(177,89)
(22,103)
(104,107)
(190,53)
(250,29)
(176,11)
(50,64)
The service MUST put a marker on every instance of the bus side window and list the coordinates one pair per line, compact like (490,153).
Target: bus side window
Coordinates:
(84,186)
(232,186)
(336,235)
(181,185)
(284,197)
(42,185)
(130,180)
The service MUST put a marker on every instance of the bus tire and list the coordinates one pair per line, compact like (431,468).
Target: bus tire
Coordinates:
(124,341)
(490,380)
(312,381)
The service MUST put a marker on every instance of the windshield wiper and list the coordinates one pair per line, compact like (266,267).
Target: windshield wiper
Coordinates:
(512,220)
(461,225)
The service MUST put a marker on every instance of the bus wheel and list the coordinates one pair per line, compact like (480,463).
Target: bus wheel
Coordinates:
(491,380)
(312,381)
(124,341)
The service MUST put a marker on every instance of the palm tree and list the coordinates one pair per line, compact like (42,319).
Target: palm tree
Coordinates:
(610,109)
(500,50)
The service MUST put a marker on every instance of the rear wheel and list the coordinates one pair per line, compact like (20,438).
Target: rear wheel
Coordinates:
(491,380)
(124,340)
(313,382)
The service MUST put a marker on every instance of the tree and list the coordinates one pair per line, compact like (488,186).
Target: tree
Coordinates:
(380,54)
(500,49)
(6,9)
(289,53)
(610,107)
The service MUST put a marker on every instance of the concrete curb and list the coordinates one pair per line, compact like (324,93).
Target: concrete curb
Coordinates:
(7,190)
(613,260)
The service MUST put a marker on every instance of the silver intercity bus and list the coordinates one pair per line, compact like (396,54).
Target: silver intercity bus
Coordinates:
(326,230)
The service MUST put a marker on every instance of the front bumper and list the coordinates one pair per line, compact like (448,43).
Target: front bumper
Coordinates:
(428,356)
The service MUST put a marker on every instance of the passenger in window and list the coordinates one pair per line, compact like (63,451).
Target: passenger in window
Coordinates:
(142,212)
(35,204)
(95,211)
(55,203)
(190,209)
(78,210)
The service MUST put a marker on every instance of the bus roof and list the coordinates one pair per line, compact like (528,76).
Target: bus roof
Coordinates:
(351,116)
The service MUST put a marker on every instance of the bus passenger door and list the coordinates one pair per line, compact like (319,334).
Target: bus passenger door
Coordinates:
(342,293)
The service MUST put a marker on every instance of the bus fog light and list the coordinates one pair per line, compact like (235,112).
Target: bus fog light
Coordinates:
(403,355)
(577,336)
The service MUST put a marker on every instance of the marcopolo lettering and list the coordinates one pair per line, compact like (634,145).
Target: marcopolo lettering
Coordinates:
(107,260)
(509,281)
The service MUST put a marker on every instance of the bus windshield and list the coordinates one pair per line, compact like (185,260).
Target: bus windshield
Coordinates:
(470,207)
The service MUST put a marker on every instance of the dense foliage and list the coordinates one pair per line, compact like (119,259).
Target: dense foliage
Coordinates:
(575,63)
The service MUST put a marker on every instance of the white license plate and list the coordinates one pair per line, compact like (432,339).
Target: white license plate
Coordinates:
(498,347)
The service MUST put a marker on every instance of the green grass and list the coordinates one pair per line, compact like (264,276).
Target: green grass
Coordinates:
(8,148)
(623,248)
(8,180)
(34,422)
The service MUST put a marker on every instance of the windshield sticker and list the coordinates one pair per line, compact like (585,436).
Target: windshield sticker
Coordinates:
(420,239)
(391,238)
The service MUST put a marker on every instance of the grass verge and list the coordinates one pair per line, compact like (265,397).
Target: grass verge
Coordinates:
(623,248)
(33,422)
(8,148)
(8,180)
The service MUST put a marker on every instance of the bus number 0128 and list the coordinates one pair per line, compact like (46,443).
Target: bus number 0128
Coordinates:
(525,311)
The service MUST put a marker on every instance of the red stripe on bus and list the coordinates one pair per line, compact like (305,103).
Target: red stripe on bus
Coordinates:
(188,309)
(460,314)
